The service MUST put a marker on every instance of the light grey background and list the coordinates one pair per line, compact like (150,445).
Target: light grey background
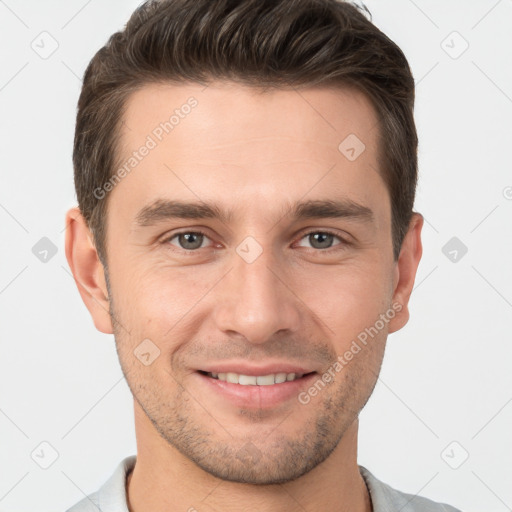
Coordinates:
(446,387)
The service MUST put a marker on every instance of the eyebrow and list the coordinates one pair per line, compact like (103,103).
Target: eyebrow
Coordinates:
(163,209)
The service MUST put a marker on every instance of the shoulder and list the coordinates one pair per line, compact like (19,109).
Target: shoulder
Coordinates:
(111,497)
(88,504)
(387,499)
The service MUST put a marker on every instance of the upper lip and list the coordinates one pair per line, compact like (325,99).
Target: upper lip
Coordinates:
(254,370)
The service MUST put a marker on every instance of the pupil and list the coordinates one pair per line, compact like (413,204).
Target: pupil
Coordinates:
(190,240)
(320,240)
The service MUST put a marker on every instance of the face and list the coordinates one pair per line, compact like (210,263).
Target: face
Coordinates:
(245,243)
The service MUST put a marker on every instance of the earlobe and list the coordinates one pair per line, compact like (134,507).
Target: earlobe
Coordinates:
(405,271)
(87,270)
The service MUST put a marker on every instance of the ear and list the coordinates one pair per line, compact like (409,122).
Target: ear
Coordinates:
(405,271)
(87,270)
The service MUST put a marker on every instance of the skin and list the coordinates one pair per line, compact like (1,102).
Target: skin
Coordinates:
(253,153)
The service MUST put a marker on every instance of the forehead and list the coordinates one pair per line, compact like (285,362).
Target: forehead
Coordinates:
(225,111)
(210,142)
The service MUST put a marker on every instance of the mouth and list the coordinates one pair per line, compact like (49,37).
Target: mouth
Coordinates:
(262,390)
(255,380)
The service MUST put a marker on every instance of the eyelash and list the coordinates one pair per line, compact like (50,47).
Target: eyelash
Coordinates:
(343,241)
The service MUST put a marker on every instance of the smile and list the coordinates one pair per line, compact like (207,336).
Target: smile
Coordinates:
(255,380)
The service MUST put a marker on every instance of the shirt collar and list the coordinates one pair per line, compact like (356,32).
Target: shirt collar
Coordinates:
(112,495)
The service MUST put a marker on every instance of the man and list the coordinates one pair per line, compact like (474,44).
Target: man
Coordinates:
(245,173)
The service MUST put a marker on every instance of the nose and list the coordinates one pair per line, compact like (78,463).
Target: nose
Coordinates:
(257,301)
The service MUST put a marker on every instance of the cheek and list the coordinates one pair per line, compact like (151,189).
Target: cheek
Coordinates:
(156,301)
(347,297)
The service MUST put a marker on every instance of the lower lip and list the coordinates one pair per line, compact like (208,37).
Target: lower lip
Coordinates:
(256,397)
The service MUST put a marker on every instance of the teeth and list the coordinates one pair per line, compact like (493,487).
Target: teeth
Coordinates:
(266,380)
(232,377)
(255,380)
(247,380)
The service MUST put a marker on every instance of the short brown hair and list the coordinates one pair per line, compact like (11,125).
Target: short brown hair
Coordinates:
(260,43)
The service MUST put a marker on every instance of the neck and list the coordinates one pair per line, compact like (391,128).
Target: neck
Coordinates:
(164,480)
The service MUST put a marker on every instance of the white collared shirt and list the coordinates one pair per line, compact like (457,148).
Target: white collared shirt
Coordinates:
(111,497)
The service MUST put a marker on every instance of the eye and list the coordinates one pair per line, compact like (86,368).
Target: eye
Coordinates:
(193,240)
(188,240)
(322,239)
